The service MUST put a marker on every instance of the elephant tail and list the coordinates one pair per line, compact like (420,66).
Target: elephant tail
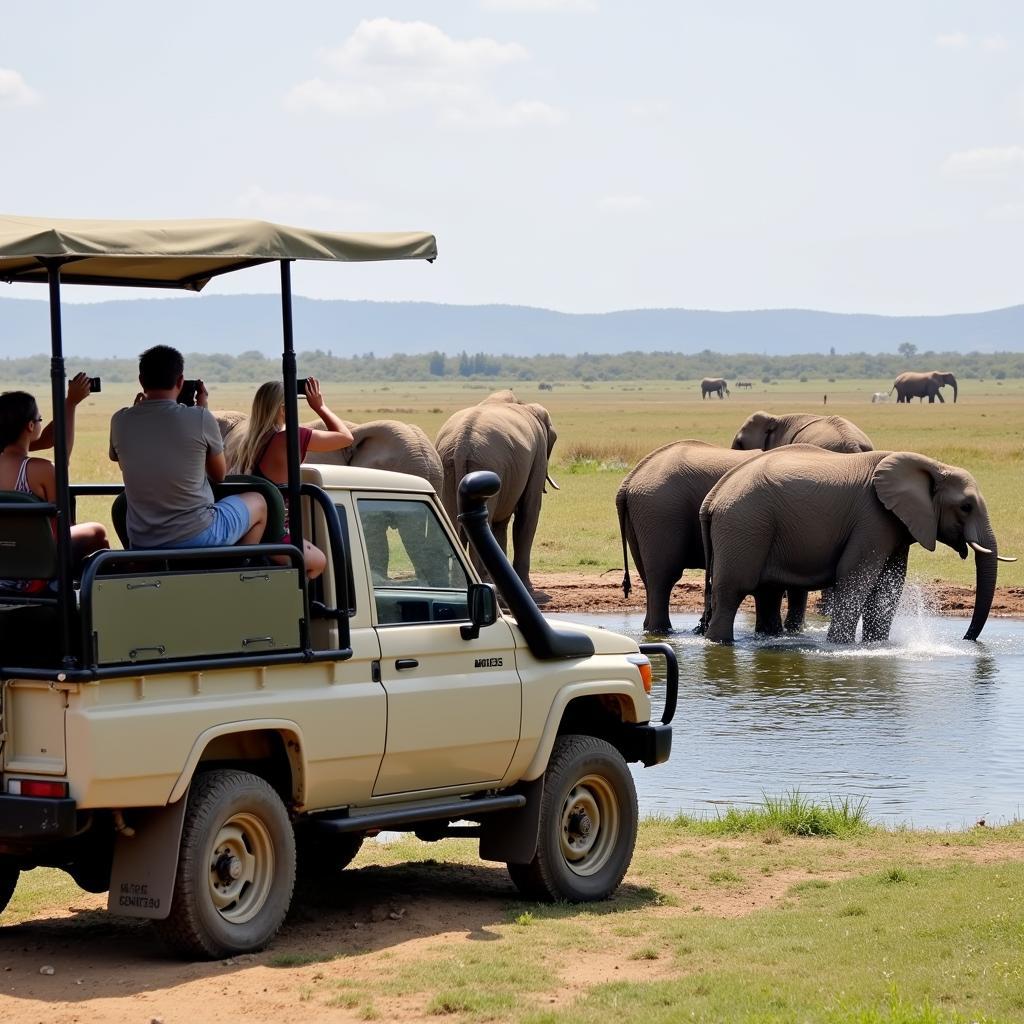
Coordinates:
(709,562)
(620,505)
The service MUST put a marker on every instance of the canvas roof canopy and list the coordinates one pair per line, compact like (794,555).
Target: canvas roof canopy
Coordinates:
(181,253)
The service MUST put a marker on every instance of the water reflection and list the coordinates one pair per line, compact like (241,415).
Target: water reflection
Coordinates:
(926,726)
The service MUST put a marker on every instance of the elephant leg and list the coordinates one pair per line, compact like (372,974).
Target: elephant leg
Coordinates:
(824,606)
(856,577)
(659,594)
(768,611)
(796,610)
(938,395)
(725,603)
(524,529)
(880,608)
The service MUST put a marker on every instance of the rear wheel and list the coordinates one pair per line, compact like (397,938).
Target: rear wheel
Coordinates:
(236,867)
(588,824)
(8,881)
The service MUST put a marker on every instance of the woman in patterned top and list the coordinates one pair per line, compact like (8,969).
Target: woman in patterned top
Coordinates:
(20,429)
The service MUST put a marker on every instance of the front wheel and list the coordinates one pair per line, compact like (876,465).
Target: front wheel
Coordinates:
(236,867)
(588,823)
(8,881)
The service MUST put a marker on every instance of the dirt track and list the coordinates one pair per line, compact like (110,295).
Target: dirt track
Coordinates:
(578,592)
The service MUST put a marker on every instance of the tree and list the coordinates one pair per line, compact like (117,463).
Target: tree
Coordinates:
(907,349)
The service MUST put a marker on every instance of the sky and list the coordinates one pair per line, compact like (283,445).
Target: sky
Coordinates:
(580,155)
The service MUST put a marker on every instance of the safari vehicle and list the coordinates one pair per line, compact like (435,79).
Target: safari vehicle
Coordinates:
(186,729)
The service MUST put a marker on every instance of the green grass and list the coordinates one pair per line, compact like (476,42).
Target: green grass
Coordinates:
(603,429)
(792,814)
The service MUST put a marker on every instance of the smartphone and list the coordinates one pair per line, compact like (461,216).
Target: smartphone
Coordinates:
(95,385)
(300,385)
(187,394)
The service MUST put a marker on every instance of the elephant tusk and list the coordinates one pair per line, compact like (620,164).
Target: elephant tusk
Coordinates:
(1005,558)
(552,482)
(977,547)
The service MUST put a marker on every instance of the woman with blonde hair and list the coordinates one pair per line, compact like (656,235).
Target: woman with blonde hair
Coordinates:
(261,450)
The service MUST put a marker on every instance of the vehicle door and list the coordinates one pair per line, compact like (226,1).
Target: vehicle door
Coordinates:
(454,705)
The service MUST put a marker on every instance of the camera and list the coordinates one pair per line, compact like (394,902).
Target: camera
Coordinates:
(95,385)
(187,394)
(300,385)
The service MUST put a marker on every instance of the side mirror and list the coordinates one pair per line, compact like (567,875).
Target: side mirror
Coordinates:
(482,600)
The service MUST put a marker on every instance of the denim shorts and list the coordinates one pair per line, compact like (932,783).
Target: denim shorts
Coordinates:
(230,524)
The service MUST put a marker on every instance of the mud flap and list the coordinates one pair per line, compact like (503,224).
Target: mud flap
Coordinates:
(146,863)
(511,836)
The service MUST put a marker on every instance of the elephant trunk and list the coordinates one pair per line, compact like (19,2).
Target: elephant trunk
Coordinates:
(952,381)
(986,570)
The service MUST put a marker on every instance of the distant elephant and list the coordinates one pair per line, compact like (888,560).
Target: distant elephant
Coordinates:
(918,385)
(879,396)
(514,440)
(713,386)
(803,517)
(658,506)
(765,431)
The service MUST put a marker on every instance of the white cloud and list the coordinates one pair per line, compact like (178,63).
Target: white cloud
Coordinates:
(624,203)
(15,91)
(1007,213)
(986,163)
(997,44)
(647,110)
(256,201)
(385,44)
(572,6)
(953,41)
(392,67)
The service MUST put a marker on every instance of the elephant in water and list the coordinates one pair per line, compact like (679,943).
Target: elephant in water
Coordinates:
(804,517)
(713,386)
(658,505)
(514,440)
(765,431)
(918,385)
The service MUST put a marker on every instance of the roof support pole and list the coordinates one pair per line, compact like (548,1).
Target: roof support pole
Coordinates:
(291,407)
(65,580)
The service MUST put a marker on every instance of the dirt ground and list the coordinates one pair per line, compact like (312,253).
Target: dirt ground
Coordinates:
(370,923)
(579,592)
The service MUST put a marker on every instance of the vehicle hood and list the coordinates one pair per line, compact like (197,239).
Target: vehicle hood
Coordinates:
(604,640)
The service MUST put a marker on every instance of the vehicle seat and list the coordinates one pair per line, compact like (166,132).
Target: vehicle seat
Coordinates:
(27,543)
(234,484)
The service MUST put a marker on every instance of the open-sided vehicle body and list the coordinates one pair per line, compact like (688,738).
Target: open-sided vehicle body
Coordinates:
(182,728)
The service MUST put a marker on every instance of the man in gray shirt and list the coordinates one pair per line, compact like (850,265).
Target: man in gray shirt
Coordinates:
(169,454)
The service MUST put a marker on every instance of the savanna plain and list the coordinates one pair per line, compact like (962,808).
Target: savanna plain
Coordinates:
(790,912)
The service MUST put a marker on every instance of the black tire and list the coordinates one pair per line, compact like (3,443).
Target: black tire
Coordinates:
(9,872)
(320,855)
(236,868)
(588,823)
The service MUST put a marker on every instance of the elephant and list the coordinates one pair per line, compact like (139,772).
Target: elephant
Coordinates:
(917,385)
(713,386)
(513,439)
(765,431)
(804,517)
(379,444)
(658,506)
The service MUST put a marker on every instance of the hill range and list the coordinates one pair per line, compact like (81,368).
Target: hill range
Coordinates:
(234,324)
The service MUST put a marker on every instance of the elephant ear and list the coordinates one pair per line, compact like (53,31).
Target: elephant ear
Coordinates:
(905,484)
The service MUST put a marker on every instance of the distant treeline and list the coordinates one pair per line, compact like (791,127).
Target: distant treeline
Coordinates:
(253,366)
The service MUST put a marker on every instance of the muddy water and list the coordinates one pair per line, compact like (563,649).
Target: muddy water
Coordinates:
(928,728)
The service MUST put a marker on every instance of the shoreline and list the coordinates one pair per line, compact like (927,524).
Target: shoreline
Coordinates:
(596,594)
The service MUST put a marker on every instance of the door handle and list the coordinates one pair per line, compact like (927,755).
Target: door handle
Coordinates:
(404,663)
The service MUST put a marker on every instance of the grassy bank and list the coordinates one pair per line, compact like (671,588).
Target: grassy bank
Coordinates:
(603,429)
(794,912)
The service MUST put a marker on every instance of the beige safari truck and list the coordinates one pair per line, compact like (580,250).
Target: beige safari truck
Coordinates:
(187,730)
